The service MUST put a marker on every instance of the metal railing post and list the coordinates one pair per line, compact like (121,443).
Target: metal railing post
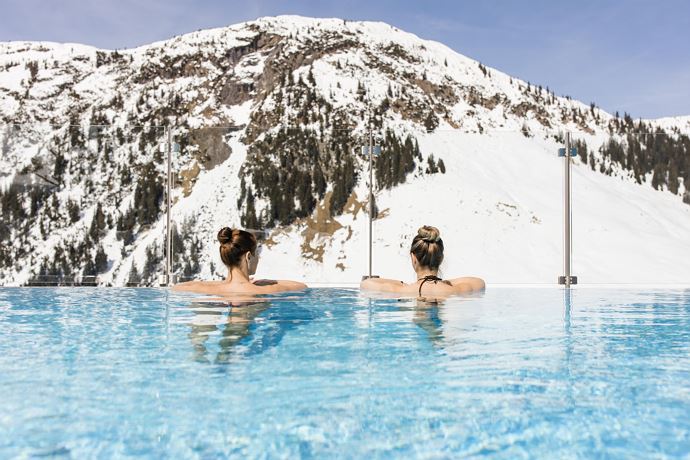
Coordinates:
(168,227)
(566,214)
(567,279)
(371,152)
(371,197)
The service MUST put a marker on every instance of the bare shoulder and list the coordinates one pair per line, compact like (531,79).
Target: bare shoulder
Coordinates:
(382,285)
(270,286)
(468,284)
(198,286)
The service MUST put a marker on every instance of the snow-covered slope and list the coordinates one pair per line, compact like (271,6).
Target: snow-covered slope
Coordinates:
(507,227)
(263,108)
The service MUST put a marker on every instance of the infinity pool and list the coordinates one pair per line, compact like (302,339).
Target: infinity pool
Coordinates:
(514,373)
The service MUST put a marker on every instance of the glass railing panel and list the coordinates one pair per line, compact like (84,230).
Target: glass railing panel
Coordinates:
(140,228)
(28,203)
(87,204)
(84,205)
(494,195)
(491,194)
(631,207)
(280,186)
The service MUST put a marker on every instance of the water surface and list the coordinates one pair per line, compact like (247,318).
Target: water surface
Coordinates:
(91,372)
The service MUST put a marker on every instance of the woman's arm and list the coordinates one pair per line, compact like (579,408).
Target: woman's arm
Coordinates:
(195,286)
(381,284)
(269,286)
(468,284)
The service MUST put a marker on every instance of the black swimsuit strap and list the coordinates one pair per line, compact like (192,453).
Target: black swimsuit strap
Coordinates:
(433,278)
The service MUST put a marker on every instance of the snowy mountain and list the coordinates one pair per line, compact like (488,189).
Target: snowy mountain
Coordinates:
(270,116)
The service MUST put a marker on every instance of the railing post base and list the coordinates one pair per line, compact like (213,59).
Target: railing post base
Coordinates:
(567,280)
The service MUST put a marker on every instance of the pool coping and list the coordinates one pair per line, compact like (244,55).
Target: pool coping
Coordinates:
(355,285)
(542,285)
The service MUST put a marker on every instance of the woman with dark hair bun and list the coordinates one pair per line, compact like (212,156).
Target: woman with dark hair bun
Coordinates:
(426,255)
(239,251)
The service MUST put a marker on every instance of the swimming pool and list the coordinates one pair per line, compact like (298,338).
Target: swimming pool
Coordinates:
(89,372)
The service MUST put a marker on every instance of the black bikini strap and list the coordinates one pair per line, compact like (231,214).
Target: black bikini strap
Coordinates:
(433,278)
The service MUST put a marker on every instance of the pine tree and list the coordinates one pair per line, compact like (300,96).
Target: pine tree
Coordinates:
(187,271)
(33,70)
(319,180)
(76,136)
(37,196)
(305,195)
(431,165)
(249,219)
(431,122)
(151,263)
(148,195)
(101,261)
(60,166)
(73,211)
(581,147)
(361,90)
(97,223)
(673,178)
(134,277)
(177,243)
(343,186)
(89,268)
(658,179)
(195,247)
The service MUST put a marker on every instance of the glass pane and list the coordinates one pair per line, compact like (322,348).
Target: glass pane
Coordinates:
(140,202)
(495,197)
(84,205)
(276,185)
(491,194)
(631,210)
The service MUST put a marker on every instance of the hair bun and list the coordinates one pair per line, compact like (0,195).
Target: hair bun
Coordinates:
(225,235)
(429,234)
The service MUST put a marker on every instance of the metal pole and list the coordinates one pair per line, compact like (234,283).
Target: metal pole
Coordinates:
(371,192)
(168,227)
(566,214)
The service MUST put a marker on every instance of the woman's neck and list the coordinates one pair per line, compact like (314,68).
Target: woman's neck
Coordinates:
(424,271)
(237,275)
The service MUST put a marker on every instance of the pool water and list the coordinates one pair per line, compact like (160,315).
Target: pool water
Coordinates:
(539,373)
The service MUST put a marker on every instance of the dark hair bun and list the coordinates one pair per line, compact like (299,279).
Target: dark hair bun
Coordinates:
(225,235)
(429,234)
(234,243)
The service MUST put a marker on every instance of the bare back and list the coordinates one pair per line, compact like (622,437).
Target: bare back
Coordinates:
(464,285)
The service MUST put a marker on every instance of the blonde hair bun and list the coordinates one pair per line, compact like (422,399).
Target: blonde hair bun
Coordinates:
(429,234)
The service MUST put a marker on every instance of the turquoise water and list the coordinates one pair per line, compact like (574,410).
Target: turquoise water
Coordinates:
(103,373)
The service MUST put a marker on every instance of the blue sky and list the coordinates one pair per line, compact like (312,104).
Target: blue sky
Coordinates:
(627,55)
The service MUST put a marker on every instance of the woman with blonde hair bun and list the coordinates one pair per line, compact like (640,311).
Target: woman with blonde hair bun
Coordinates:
(239,251)
(426,254)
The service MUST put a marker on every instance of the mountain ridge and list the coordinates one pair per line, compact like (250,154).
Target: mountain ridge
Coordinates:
(261,106)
